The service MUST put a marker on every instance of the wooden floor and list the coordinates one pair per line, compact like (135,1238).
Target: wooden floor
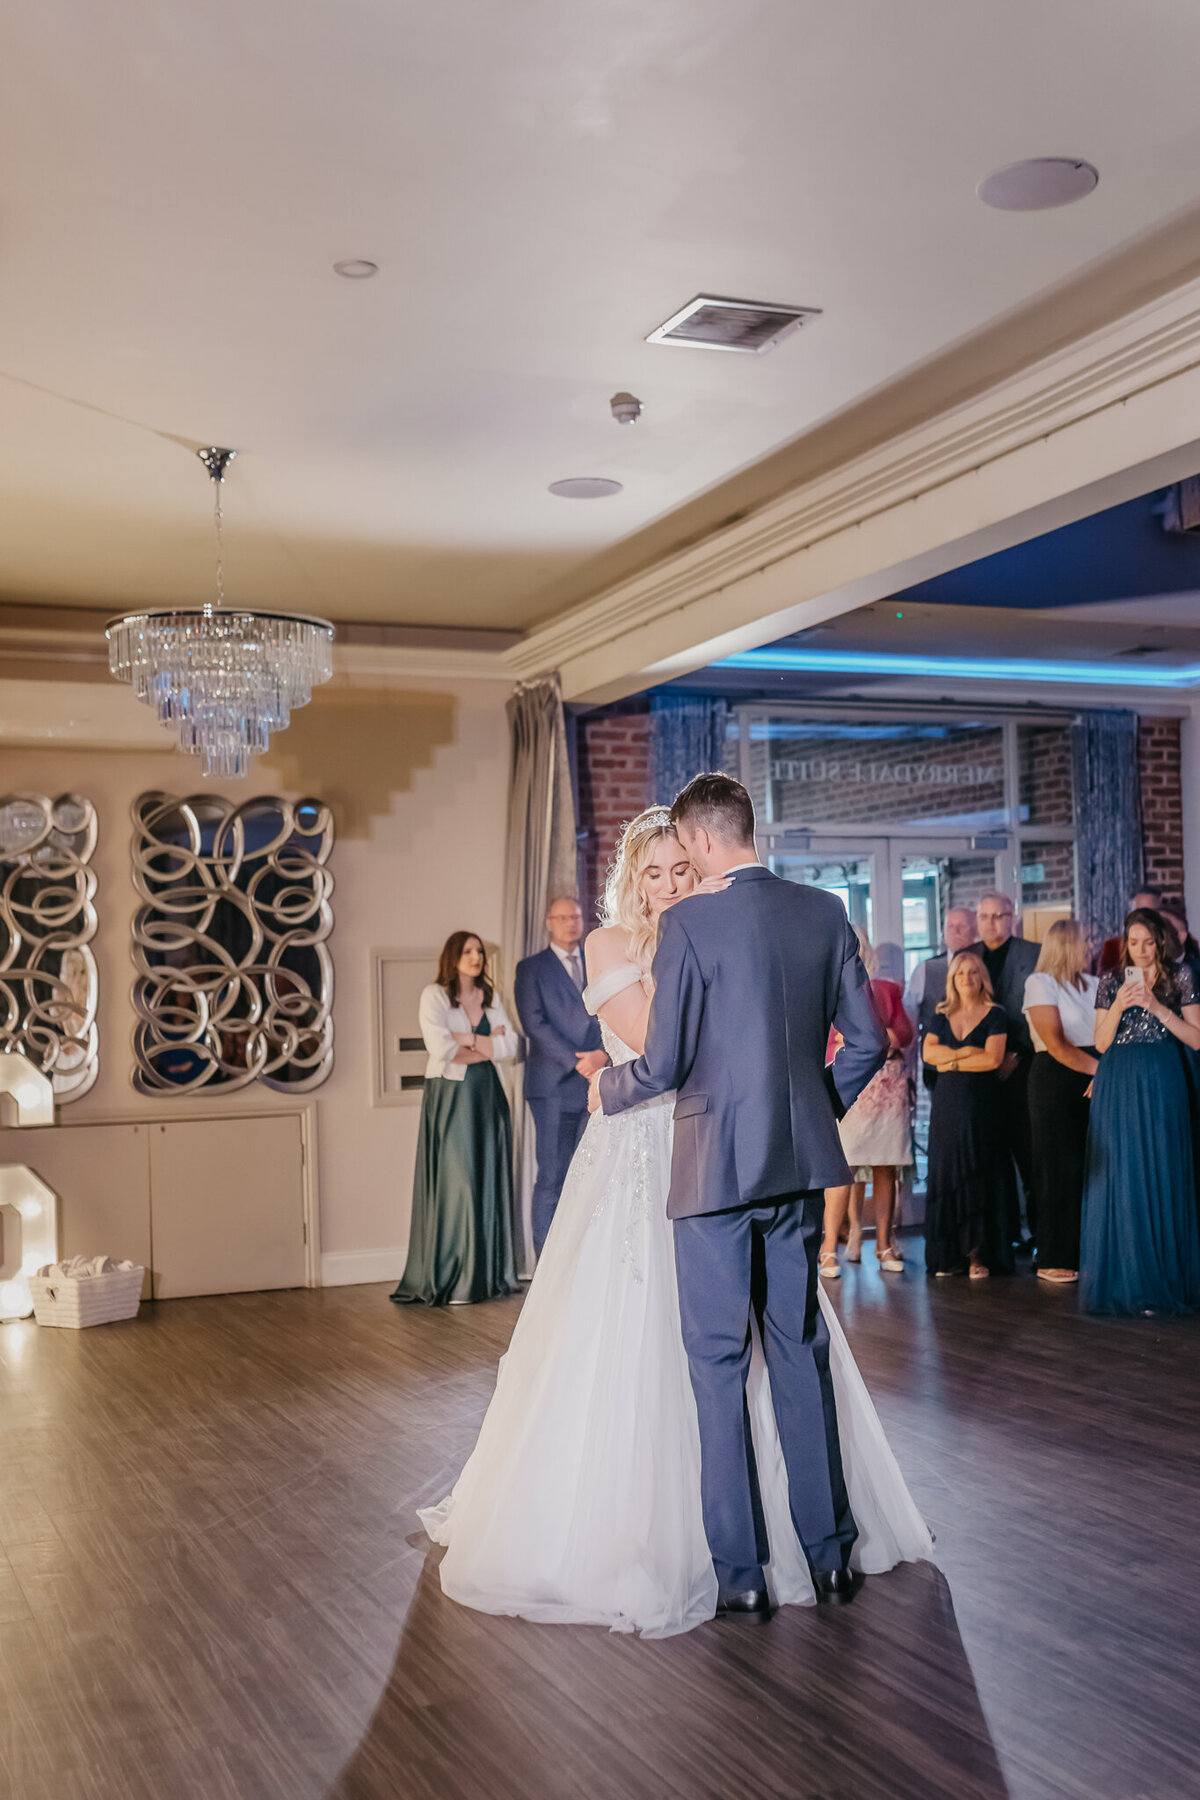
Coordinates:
(213,1584)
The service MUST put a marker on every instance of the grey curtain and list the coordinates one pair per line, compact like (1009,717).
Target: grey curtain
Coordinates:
(1107,816)
(539,863)
(687,736)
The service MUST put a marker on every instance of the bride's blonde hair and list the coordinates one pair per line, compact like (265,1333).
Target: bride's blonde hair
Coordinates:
(624,904)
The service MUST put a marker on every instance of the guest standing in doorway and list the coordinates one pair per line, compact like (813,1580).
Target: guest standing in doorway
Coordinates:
(563,1053)
(1140,1247)
(969,1194)
(460,1245)
(1009,962)
(876,1133)
(1060,1004)
(927,983)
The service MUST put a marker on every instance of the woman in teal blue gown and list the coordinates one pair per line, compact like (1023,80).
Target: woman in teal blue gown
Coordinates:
(1140,1246)
(460,1246)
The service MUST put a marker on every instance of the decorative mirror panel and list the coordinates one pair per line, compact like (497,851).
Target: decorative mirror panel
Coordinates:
(234,974)
(47,922)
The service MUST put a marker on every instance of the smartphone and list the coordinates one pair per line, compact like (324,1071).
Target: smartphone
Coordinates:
(1134,975)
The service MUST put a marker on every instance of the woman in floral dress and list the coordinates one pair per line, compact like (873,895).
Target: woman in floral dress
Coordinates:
(877,1131)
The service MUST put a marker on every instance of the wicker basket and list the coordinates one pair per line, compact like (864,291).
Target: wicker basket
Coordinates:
(113,1292)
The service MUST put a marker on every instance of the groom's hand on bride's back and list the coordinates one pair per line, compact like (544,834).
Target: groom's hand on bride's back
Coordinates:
(594,1102)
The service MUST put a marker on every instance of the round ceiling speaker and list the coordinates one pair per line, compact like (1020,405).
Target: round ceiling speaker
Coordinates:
(585,487)
(1038,184)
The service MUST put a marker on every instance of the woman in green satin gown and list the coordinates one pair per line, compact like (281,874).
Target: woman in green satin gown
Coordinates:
(460,1246)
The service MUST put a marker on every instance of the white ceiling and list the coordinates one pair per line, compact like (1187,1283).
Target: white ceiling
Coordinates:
(541,184)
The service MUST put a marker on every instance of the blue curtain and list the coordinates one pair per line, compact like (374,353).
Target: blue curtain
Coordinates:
(1107,816)
(687,736)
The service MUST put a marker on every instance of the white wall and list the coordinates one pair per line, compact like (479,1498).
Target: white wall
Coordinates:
(416,774)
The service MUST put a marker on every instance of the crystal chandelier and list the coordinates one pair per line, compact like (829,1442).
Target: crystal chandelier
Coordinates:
(222,679)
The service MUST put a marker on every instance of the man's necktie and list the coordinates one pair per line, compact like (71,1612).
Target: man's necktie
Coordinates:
(577,969)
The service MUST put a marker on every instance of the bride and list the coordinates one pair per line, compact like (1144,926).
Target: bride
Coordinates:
(581,1500)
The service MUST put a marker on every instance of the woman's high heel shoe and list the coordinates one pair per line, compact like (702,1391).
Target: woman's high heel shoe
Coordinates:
(827,1265)
(854,1247)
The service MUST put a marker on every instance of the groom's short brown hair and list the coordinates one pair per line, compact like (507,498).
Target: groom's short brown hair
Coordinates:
(719,804)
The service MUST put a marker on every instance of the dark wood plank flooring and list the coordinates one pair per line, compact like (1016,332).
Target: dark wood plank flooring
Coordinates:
(212,1583)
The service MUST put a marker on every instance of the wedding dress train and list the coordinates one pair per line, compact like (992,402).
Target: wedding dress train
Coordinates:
(581,1500)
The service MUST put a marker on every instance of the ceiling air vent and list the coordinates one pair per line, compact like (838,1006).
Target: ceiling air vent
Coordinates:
(711,323)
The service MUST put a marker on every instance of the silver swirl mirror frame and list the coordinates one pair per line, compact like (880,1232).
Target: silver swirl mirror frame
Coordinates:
(234,976)
(48,983)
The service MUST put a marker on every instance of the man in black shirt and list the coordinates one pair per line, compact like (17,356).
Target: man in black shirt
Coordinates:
(1008,961)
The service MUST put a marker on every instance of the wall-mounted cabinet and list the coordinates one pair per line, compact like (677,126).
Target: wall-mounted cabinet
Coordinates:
(208,1206)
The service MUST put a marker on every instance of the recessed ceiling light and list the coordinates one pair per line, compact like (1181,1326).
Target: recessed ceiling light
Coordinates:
(357,269)
(585,487)
(1038,184)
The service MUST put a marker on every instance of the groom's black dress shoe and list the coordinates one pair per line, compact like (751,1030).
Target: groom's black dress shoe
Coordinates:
(836,1587)
(752,1604)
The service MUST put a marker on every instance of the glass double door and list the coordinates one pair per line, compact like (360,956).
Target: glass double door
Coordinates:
(897,890)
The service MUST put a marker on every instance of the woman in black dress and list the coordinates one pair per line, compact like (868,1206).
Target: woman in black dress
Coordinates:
(970,1197)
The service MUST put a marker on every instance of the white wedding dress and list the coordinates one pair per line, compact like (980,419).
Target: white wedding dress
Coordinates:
(581,1500)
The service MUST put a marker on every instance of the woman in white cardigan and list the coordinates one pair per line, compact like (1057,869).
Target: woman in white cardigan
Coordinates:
(460,1246)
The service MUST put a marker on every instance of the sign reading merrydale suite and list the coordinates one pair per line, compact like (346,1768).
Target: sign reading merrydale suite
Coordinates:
(823,769)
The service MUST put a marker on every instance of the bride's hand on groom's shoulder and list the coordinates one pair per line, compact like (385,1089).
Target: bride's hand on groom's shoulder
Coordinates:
(713,884)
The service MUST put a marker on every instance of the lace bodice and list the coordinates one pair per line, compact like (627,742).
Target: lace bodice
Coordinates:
(596,993)
(1137,1026)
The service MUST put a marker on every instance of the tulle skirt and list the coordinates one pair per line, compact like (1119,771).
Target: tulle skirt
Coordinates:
(581,1500)
(1140,1249)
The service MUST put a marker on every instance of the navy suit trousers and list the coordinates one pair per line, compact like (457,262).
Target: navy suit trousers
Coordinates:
(763,1257)
(558,1129)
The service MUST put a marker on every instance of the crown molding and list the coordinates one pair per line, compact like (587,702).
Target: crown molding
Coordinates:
(1147,350)
(392,660)
(419,662)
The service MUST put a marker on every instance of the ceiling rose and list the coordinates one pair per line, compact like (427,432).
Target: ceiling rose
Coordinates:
(221,678)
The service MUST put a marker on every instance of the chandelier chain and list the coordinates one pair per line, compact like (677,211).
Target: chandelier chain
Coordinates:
(218,519)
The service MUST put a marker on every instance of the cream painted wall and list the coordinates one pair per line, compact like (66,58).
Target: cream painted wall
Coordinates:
(416,774)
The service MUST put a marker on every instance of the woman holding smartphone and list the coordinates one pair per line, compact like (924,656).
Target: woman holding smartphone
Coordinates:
(1140,1248)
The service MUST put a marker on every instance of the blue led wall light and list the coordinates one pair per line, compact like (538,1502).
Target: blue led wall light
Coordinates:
(885,662)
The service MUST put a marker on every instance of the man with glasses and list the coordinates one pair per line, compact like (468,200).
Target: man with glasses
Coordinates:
(1008,961)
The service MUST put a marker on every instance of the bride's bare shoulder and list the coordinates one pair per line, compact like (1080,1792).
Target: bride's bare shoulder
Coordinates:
(607,948)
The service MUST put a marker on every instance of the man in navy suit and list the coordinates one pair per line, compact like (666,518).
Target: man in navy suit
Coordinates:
(748,983)
(563,1052)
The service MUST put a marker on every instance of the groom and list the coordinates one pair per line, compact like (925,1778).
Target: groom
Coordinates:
(748,983)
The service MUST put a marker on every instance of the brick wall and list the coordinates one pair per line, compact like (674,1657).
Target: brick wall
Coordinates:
(613,769)
(1045,787)
(1162,805)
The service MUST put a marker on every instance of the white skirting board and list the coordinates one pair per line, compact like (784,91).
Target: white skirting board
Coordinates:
(351,1268)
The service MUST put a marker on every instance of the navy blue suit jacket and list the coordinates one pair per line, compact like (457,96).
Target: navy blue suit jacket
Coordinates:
(556,1024)
(747,985)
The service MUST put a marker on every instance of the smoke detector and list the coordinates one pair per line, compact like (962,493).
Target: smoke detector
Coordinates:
(626,408)
(750,327)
